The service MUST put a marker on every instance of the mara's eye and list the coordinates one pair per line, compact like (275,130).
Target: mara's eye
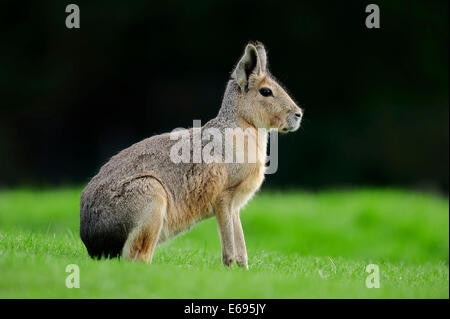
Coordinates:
(265,92)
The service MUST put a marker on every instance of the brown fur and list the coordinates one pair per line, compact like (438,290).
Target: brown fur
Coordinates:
(141,198)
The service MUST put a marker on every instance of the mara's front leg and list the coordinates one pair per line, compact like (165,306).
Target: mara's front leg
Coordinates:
(239,241)
(225,223)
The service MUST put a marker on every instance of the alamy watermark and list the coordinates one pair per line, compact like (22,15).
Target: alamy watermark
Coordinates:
(73,279)
(73,18)
(373,19)
(227,145)
(373,280)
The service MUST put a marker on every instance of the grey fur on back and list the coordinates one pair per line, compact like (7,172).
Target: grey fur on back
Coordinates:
(105,221)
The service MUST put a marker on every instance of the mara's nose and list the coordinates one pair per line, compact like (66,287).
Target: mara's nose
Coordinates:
(298,115)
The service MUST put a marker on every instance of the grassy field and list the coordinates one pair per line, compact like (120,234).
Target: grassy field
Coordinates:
(300,245)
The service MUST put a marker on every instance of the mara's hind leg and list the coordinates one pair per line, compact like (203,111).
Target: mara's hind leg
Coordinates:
(142,240)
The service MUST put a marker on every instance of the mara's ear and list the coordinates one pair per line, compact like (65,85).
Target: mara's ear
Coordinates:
(249,63)
(262,56)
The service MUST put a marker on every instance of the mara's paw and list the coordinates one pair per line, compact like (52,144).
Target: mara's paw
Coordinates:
(227,261)
(242,263)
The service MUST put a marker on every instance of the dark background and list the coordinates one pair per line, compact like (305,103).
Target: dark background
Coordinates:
(376,101)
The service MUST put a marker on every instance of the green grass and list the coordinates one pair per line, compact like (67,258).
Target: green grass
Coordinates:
(300,245)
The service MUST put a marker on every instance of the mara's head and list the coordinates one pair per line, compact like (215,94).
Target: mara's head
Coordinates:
(262,101)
